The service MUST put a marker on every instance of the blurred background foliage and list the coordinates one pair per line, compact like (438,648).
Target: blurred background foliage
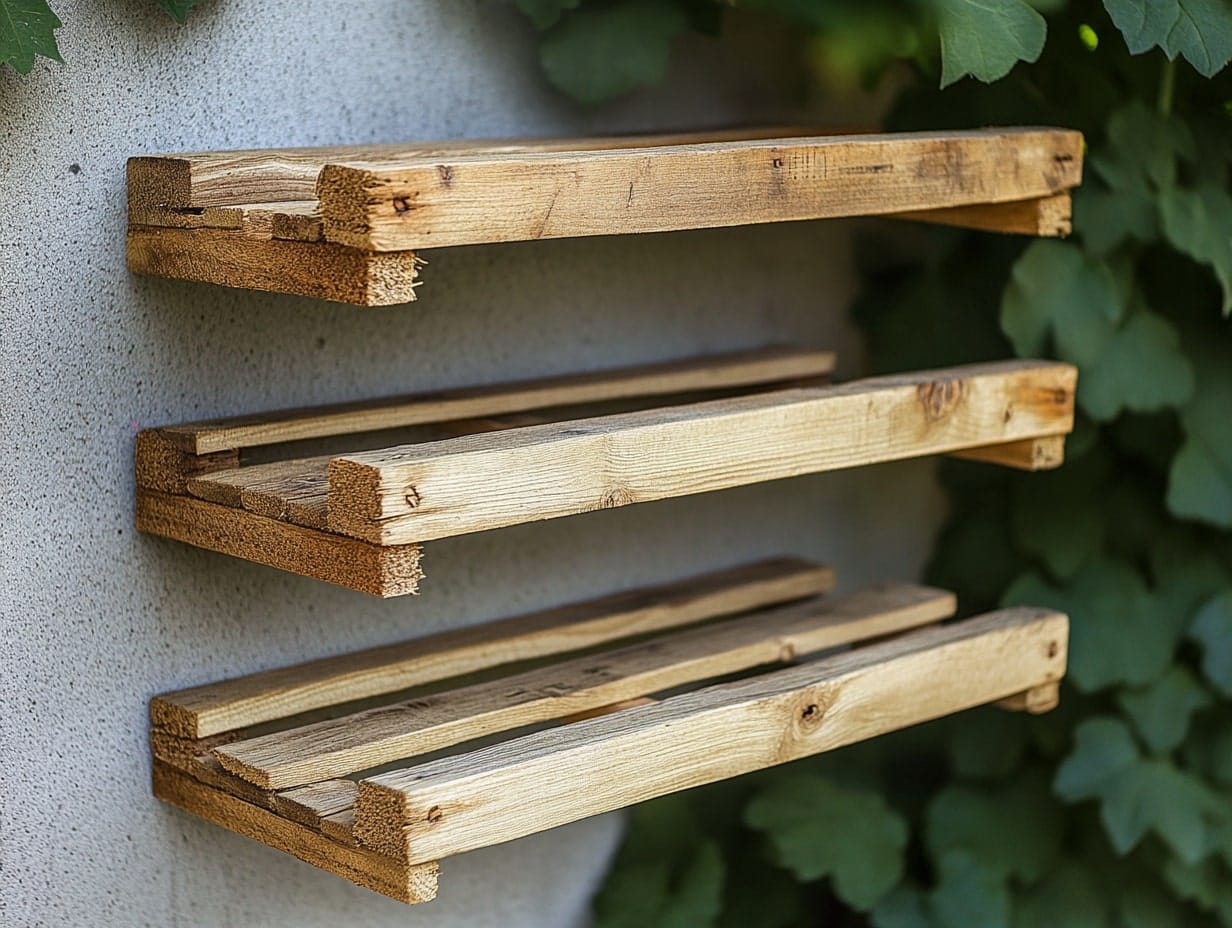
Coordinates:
(1116,808)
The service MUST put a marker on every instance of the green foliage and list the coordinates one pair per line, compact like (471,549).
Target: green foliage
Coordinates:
(818,828)
(985,38)
(27,30)
(1115,810)
(178,9)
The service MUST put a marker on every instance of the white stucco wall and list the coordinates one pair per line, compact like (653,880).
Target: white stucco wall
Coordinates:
(97,618)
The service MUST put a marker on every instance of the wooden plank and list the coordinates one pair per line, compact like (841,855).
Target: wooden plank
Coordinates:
(1036,700)
(758,367)
(1049,216)
(417,203)
(486,481)
(564,774)
(1032,454)
(388,733)
(227,178)
(201,711)
(233,258)
(379,570)
(163,465)
(416,883)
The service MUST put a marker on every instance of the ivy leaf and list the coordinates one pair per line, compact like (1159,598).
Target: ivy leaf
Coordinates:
(1162,711)
(818,829)
(904,907)
(1013,831)
(988,744)
(1212,629)
(1199,223)
(597,54)
(986,38)
(969,893)
(666,875)
(1199,30)
(27,29)
(178,9)
(1067,897)
(1200,480)
(1119,634)
(1104,749)
(1062,544)
(1141,368)
(545,13)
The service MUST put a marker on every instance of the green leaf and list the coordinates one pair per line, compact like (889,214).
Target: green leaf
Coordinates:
(904,907)
(1077,490)
(1148,907)
(668,874)
(1119,633)
(178,9)
(1067,898)
(987,744)
(598,54)
(1013,831)
(1200,481)
(1199,223)
(986,38)
(27,29)
(1212,629)
(819,829)
(969,893)
(1207,885)
(1200,30)
(1104,749)
(545,13)
(1141,368)
(1162,711)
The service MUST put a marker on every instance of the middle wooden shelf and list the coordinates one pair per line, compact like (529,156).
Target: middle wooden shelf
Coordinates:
(411,469)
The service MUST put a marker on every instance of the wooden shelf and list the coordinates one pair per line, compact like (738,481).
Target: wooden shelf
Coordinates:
(368,765)
(347,223)
(490,457)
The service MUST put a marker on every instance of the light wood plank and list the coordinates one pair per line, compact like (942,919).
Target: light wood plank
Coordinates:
(226,178)
(375,569)
(388,733)
(417,203)
(1036,700)
(486,481)
(564,774)
(417,883)
(762,366)
(1045,453)
(201,711)
(233,258)
(1049,216)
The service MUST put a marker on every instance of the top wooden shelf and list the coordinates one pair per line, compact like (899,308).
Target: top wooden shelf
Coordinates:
(346,223)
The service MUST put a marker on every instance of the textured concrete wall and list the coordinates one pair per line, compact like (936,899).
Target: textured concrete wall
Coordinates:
(97,618)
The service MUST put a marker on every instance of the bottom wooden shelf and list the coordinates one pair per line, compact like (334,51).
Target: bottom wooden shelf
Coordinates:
(377,765)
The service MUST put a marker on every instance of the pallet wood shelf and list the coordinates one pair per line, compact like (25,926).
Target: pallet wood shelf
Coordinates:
(490,457)
(348,223)
(368,765)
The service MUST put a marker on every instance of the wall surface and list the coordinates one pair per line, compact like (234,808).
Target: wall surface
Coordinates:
(97,618)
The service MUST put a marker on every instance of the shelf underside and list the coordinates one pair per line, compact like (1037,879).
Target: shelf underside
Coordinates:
(347,223)
(376,765)
(465,461)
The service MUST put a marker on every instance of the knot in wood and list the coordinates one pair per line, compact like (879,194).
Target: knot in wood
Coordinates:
(940,398)
(811,710)
(402,205)
(616,496)
(412,497)
(434,815)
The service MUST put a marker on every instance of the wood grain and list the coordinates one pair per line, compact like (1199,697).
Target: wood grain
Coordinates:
(486,481)
(234,258)
(378,570)
(1047,216)
(377,736)
(417,203)
(201,711)
(758,367)
(417,883)
(1045,453)
(564,774)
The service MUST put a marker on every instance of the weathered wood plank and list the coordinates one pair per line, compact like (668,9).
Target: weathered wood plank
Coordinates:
(1048,216)
(1044,453)
(377,736)
(563,774)
(234,258)
(758,367)
(198,712)
(478,482)
(416,203)
(379,570)
(413,883)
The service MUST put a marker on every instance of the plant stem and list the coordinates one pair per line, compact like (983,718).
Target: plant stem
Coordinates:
(1167,87)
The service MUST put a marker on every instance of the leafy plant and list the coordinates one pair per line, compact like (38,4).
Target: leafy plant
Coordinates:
(28,30)
(1114,810)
